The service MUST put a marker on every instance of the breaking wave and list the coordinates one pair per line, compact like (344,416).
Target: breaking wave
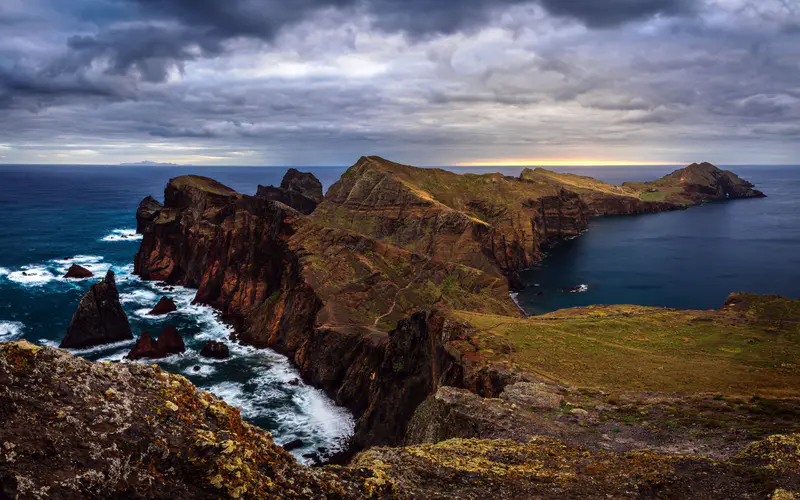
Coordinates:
(122,235)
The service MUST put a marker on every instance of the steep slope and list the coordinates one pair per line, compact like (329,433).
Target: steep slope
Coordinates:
(493,223)
(324,296)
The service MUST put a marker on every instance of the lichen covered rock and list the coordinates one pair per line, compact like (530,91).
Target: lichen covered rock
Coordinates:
(76,429)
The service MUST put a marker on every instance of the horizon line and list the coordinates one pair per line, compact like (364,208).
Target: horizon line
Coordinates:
(587,164)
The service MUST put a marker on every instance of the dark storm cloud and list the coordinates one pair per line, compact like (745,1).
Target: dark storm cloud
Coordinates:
(199,28)
(324,81)
(608,13)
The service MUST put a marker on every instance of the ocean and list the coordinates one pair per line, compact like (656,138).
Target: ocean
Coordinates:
(53,216)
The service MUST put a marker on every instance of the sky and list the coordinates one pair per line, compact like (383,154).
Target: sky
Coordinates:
(422,82)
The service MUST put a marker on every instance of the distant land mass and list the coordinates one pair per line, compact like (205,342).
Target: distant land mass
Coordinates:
(148,163)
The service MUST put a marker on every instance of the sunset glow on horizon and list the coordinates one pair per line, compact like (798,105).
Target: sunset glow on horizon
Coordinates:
(563,163)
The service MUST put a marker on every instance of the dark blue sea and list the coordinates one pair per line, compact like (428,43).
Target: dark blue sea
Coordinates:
(52,216)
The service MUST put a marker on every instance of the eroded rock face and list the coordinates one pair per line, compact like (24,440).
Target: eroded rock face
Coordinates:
(299,190)
(78,272)
(99,318)
(600,197)
(169,342)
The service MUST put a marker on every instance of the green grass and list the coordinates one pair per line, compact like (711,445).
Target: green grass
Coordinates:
(633,348)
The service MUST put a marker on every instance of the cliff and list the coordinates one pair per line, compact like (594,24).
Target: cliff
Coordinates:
(695,184)
(76,429)
(688,186)
(329,298)
(337,291)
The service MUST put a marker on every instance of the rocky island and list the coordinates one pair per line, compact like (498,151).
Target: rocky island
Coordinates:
(392,295)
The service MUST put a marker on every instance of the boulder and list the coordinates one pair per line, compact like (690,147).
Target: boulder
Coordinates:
(78,272)
(99,318)
(214,349)
(165,305)
(169,342)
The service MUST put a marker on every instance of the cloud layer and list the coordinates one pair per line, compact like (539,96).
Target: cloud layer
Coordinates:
(320,82)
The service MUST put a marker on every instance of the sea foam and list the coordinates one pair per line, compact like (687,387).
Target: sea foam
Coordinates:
(34,275)
(10,330)
(122,235)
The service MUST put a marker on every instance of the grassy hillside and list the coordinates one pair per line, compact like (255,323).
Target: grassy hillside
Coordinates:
(739,350)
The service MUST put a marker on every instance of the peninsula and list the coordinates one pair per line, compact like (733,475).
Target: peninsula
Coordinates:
(391,293)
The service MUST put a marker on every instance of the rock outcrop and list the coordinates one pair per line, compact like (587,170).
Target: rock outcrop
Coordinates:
(99,318)
(304,183)
(78,272)
(214,349)
(165,305)
(75,429)
(169,342)
(299,190)
(147,211)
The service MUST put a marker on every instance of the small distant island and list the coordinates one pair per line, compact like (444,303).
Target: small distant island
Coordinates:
(148,163)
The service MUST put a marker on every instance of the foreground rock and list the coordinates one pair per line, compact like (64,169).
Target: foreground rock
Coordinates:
(99,318)
(76,429)
(78,272)
(299,190)
(165,305)
(214,349)
(169,342)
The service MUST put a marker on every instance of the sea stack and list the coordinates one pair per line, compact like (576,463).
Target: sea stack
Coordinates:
(78,272)
(99,318)
(168,343)
(165,305)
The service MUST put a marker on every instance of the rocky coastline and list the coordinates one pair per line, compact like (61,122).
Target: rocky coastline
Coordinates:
(317,288)
(391,293)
